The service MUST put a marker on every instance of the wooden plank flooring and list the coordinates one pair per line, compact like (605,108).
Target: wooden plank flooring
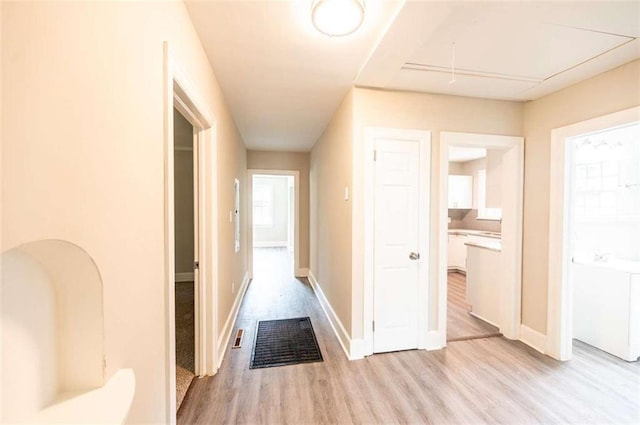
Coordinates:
(460,324)
(490,380)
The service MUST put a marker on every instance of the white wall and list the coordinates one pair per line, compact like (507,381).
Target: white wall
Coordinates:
(29,359)
(277,234)
(83,160)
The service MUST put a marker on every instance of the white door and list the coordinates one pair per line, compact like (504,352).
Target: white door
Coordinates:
(396,242)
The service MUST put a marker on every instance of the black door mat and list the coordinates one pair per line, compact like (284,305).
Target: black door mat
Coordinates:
(285,342)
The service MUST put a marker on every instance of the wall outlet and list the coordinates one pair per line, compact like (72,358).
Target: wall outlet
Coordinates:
(233,287)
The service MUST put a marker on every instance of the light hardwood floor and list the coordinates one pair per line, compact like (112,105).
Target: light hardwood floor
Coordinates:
(460,324)
(490,380)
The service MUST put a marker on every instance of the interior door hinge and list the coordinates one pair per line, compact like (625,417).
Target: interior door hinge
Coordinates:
(375,155)
(196,265)
(373,326)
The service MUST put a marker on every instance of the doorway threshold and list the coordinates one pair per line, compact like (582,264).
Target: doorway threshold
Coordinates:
(482,336)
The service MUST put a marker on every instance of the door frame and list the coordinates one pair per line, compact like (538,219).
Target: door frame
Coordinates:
(424,139)
(560,291)
(179,93)
(297,270)
(511,292)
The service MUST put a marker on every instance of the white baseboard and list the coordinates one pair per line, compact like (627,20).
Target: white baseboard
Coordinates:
(358,349)
(336,324)
(533,339)
(302,272)
(225,336)
(184,277)
(270,244)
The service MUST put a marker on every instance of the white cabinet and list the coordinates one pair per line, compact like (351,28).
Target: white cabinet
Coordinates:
(484,283)
(457,252)
(460,192)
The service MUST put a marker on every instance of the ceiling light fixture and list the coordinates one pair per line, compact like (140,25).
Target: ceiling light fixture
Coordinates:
(337,18)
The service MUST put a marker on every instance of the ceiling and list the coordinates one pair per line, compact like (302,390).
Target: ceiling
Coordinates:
(283,80)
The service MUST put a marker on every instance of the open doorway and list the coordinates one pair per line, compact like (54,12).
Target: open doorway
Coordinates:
(185,216)
(474,240)
(594,278)
(273,223)
(480,236)
(178,96)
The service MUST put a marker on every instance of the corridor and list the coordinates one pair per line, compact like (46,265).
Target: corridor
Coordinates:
(476,381)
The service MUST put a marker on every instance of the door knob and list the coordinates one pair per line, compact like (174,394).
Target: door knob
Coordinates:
(414,256)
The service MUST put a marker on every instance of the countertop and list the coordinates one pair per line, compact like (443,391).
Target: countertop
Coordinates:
(625,266)
(484,233)
(493,245)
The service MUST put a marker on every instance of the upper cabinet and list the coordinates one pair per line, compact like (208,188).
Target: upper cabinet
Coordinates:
(460,192)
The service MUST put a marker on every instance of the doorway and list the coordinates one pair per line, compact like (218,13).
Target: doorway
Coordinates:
(206,357)
(186,242)
(274,222)
(397,176)
(482,189)
(594,259)
(474,239)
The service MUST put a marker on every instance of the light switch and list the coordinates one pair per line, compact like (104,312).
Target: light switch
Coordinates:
(346,193)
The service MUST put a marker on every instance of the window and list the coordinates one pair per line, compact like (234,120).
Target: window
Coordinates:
(262,204)
(607,176)
(485,213)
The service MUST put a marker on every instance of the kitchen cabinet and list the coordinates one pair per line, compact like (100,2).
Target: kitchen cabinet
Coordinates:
(457,253)
(460,192)
(484,282)
(457,250)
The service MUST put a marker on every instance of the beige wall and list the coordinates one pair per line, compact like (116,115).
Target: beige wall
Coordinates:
(456,168)
(612,91)
(420,111)
(183,189)
(331,168)
(260,160)
(82,159)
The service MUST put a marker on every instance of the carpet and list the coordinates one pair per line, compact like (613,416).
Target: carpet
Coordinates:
(185,350)
(285,342)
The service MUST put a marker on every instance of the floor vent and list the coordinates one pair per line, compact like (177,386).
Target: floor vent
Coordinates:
(237,343)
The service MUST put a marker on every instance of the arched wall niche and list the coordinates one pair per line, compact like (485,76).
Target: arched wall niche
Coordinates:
(52,327)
